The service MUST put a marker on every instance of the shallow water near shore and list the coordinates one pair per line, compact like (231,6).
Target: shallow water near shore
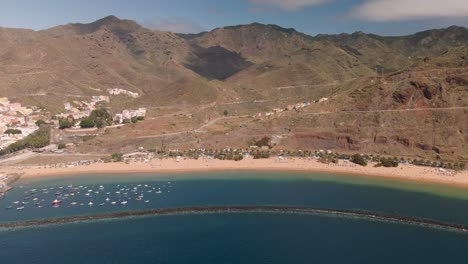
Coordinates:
(234,238)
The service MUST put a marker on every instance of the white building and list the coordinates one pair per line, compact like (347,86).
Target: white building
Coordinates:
(117,91)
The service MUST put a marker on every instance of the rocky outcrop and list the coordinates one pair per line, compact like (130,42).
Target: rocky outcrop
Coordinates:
(404,141)
(429,92)
(402,96)
(380,140)
(456,80)
(347,142)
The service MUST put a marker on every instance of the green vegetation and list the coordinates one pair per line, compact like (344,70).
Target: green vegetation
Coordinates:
(261,155)
(12,131)
(66,123)
(238,157)
(38,139)
(40,123)
(358,159)
(61,145)
(225,113)
(459,166)
(98,118)
(117,157)
(263,142)
(135,119)
(101,117)
(388,163)
(87,123)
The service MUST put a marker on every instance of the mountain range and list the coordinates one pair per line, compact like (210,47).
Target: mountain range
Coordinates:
(402,95)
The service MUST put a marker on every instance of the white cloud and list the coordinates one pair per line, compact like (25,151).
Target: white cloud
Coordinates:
(176,26)
(289,5)
(394,10)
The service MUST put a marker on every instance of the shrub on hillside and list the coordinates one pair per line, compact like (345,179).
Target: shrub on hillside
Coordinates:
(12,131)
(101,117)
(117,157)
(65,123)
(358,159)
(389,163)
(40,123)
(87,123)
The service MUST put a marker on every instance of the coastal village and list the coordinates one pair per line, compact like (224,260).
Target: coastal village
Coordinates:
(82,109)
(16,121)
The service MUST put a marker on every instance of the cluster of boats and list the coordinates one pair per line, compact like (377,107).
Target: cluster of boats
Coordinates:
(71,196)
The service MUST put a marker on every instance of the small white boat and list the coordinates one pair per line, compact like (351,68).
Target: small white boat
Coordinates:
(16,202)
(113,203)
(124,202)
(20,208)
(90,203)
(107,199)
(73,203)
(147,201)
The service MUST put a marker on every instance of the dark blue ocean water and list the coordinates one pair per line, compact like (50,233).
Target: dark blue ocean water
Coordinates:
(234,238)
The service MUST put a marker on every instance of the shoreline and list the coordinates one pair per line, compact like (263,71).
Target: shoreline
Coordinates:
(403,172)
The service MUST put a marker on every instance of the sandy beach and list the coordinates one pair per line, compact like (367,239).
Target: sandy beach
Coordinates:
(404,172)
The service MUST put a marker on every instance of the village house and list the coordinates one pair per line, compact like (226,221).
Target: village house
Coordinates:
(323,100)
(117,91)
(127,115)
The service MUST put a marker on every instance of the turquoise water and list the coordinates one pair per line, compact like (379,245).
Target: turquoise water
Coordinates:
(235,238)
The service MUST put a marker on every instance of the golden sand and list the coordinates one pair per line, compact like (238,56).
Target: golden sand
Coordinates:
(405,172)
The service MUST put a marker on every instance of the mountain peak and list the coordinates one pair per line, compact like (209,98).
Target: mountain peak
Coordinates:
(110,18)
(264,26)
(111,22)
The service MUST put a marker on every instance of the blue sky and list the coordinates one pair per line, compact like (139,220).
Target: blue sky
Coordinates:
(387,17)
